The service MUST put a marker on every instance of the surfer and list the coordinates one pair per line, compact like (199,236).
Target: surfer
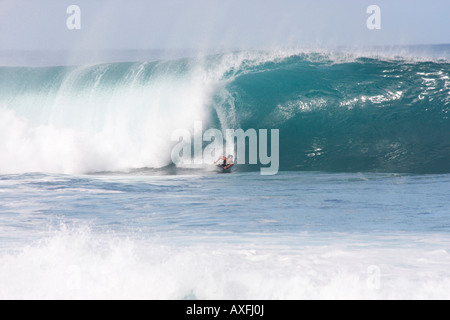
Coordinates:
(227,162)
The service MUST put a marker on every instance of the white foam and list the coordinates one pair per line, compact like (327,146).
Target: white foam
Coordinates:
(88,124)
(78,264)
(127,126)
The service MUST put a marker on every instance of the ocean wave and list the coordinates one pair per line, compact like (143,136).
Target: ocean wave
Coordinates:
(335,111)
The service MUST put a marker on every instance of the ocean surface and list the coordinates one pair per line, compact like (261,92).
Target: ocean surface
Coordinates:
(93,207)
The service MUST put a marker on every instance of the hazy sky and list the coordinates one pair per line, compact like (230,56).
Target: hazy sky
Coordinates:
(206,24)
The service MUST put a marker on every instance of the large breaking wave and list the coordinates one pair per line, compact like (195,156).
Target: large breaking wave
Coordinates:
(335,112)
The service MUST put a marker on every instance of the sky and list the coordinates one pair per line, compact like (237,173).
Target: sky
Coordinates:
(213,24)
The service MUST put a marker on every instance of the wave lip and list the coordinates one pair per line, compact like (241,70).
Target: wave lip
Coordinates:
(361,114)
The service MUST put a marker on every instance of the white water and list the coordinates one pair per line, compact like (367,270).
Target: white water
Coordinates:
(72,264)
(102,118)
(100,128)
(290,236)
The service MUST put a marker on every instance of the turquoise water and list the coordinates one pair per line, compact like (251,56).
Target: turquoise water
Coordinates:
(335,111)
(91,205)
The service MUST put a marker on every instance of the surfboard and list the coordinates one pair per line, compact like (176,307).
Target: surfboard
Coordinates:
(222,169)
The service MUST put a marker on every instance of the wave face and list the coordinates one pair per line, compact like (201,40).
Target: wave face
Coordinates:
(335,112)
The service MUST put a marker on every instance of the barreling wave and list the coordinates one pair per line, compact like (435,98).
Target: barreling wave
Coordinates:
(335,112)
